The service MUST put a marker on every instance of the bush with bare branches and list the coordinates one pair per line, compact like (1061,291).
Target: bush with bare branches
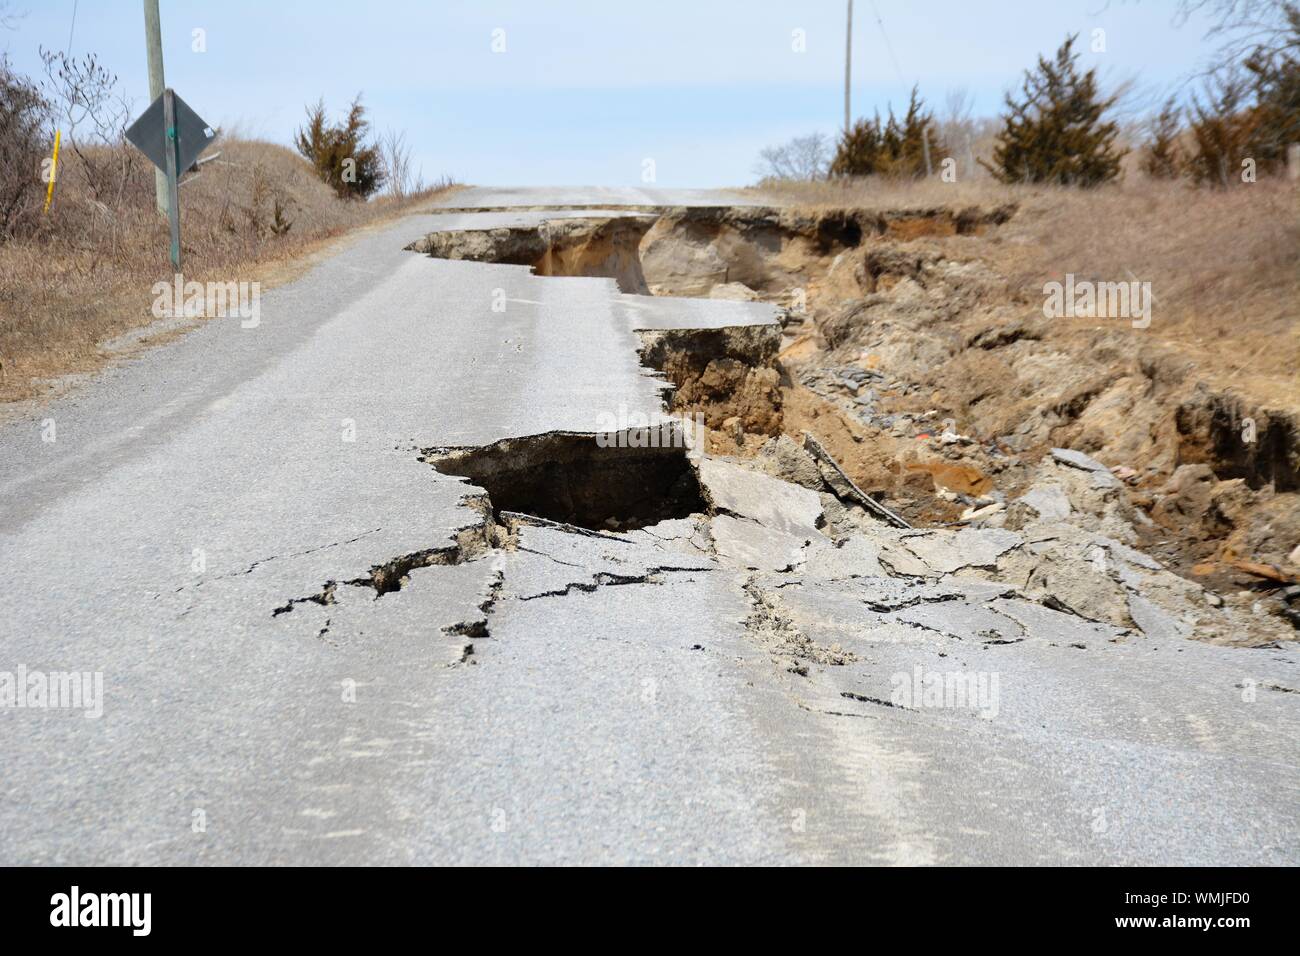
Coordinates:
(24,120)
(802,159)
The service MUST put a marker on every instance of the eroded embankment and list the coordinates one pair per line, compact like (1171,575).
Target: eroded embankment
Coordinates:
(940,388)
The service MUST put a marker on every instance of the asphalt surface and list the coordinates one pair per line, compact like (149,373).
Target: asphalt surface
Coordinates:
(197,488)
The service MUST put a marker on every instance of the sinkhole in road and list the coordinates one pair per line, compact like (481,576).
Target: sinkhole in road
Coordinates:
(611,481)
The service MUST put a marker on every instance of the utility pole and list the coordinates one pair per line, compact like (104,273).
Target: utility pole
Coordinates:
(153,45)
(848,66)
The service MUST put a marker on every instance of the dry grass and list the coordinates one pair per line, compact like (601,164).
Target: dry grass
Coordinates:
(1224,265)
(883,192)
(1224,268)
(86,276)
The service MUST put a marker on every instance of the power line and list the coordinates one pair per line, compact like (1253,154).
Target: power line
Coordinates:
(888,47)
(72,29)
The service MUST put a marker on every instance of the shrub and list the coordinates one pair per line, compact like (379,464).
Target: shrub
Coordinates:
(1274,76)
(94,115)
(1056,132)
(1220,129)
(1162,158)
(892,148)
(352,167)
(24,120)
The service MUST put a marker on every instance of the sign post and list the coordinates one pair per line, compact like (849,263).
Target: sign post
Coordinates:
(171,135)
(173,176)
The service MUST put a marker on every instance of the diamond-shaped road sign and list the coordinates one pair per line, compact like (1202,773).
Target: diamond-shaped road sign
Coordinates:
(149,135)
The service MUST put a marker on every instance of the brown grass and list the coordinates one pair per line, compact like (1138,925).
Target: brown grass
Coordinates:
(886,192)
(1224,268)
(1224,265)
(85,277)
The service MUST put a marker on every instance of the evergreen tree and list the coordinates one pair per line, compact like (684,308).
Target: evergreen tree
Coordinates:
(860,149)
(1163,158)
(891,148)
(915,136)
(1221,131)
(339,153)
(1056,132)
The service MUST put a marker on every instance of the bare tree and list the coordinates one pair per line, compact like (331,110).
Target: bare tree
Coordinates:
(1244,28)
(958,128)
(802,158)
(395,155)
(94,114)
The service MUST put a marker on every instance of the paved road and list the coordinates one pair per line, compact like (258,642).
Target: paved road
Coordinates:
(193,491)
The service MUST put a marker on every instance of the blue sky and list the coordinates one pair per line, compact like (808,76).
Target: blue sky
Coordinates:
(585,91)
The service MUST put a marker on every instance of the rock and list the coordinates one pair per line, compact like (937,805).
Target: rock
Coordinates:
(1153,621)
(734,292)
(1265,531)
(1077,459)
(1047,502)
(773,503)
(1093,500)
(783,457)
(980,513)
(1100,474)
(1187,493)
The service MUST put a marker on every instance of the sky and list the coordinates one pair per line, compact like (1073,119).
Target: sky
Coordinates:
(572,92)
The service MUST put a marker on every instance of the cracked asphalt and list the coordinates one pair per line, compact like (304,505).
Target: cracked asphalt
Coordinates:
(576,699)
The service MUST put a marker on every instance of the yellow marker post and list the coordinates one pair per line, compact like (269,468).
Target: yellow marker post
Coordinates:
(54,169)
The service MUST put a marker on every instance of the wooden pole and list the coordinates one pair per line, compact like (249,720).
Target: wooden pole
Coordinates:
(153,49)
(848,67)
